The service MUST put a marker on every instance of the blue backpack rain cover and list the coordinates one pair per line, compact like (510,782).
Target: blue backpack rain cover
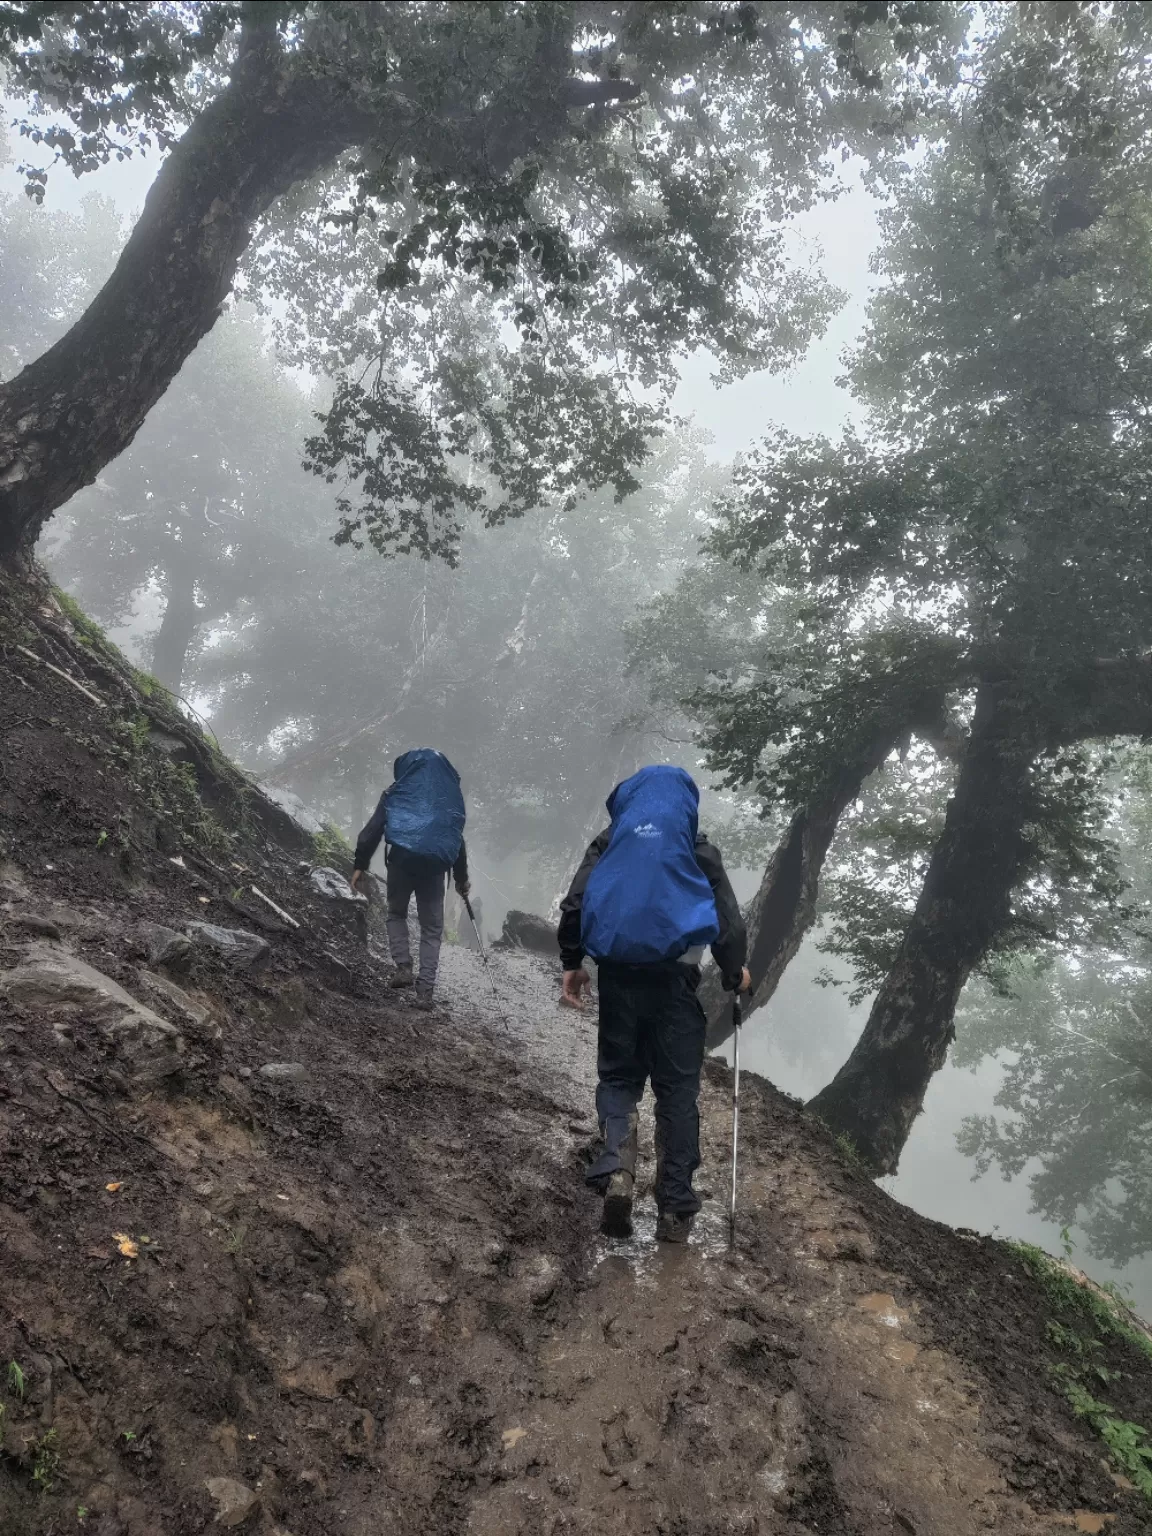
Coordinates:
(647,899)
(425,809)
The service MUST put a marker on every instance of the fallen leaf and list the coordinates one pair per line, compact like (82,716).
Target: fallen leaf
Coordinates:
(127,1247)
(144,1239)
(115,1186)
(513,1437)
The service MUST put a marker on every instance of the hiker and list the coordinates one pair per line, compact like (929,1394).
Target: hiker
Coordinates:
(650,894)
(421,819)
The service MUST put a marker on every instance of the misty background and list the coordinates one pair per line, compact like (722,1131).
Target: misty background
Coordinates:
(206,550)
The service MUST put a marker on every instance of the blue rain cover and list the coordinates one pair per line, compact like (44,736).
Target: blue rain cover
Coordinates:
(425,809)
(647,899)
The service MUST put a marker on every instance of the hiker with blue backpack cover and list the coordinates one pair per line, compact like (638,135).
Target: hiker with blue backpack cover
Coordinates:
(420,818)
(649,896)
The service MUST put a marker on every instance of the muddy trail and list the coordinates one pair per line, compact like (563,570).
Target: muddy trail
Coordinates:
(281,1254)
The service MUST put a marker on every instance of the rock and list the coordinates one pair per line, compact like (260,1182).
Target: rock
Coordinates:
(332,884)
(242,951)
(173,748)
(318,1378)
(234,1501)
(292,806)
(284,1072)
(32,922)
(55,979)
(11,879)
(524,930)
(164,946)
(166,993)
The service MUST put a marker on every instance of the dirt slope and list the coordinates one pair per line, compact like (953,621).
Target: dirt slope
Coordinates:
(365,1294)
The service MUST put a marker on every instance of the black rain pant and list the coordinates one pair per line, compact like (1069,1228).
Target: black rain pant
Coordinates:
(410,875)
(651,1026)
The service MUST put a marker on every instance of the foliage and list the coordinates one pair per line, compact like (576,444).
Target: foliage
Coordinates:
(1076,1094)
(1128,1443)
(331,846)
(204,505)
(1076,1033)
(46,1462)
(987,534)
(1073,891)
(540,204)
(1086,1317)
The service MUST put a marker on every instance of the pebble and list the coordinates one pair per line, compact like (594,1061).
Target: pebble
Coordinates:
(284,1072)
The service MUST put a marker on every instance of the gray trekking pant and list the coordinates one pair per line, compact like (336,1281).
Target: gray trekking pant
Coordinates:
(409,876)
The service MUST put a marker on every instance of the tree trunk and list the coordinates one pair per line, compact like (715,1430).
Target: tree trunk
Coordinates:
(181,620)
(80,404)
(784,908)
(964,904)
(277,122)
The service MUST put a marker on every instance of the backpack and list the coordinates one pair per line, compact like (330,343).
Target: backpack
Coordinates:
(647,899)
(424,810)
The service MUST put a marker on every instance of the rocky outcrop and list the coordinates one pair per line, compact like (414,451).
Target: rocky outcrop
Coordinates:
(75,996)
(524,930)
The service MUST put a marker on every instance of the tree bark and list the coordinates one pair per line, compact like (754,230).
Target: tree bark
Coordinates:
(277,122)
(80,404)
(784,908)
(964,904)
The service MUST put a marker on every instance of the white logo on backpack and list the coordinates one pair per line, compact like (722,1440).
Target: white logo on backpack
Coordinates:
(647,829)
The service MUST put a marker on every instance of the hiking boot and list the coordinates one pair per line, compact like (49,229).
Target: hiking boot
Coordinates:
(674,1226)
(617,1218)
(423,999)
(401,977)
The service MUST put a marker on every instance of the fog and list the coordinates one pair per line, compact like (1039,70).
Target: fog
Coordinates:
(519,663)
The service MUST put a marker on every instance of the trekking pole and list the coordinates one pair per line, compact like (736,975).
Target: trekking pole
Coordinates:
(735,1112)
(484,959)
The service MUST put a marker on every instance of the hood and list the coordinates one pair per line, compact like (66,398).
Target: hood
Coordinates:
(415,756)
(671,784)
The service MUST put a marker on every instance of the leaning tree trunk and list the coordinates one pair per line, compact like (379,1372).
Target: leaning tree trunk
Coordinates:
(277,122)
(784,908)
(79,405)
(965,903)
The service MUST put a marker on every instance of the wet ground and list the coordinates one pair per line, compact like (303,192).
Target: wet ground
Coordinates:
(370,1297)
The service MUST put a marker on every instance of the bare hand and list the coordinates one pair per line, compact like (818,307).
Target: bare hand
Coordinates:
(356,873)
(745,980)
(576,983)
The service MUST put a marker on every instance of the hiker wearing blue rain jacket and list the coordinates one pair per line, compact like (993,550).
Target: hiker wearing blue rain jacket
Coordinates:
(420,818)
(649,896)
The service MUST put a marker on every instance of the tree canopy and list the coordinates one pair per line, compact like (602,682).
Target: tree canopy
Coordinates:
(498,226)
(973,568)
